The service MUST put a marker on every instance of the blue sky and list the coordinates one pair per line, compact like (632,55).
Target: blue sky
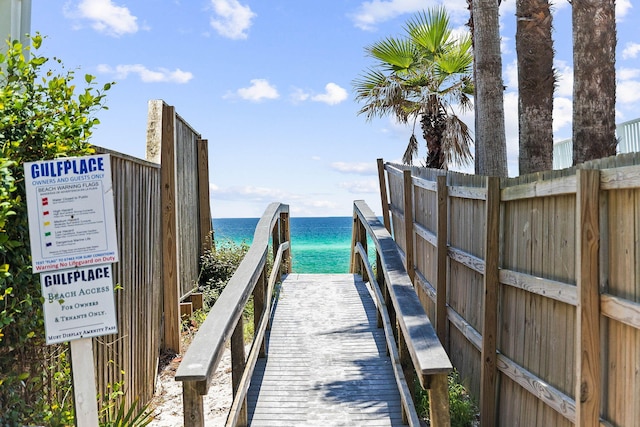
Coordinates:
(269,84)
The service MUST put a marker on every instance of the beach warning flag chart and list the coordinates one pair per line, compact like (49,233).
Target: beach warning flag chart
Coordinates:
(71,212)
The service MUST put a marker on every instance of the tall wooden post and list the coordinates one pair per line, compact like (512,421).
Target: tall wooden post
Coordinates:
(408,224)
(441,273)
(384,200)
(588,364)
(488,370)
(170,267)
(206,237)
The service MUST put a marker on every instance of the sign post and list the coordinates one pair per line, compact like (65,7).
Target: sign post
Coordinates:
(73,243)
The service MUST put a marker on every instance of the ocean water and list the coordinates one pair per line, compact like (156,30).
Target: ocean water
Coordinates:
(318,245)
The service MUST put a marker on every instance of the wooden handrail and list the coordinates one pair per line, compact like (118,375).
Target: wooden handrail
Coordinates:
(403,387)
(203,356)
(415,333)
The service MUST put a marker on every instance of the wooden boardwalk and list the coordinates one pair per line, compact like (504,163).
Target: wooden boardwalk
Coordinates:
(327,363)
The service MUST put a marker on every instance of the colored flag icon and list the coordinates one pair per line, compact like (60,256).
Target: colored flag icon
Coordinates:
(48,244)
(47,234)
(45,213)
(45,201)
(47,223)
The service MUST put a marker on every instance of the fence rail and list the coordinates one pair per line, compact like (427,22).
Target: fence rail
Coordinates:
(534,286)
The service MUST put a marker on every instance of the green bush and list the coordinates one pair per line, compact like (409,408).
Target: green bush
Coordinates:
(217,265)
(462,408)
(41,117)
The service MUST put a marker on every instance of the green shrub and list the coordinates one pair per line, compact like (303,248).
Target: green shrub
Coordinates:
(41,117)
(462,408)
(217,265)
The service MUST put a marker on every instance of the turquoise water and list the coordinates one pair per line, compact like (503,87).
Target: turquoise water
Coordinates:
(318,245)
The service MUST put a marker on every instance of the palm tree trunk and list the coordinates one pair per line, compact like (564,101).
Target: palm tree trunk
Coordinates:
(534,46)
(491,145)
(594,79)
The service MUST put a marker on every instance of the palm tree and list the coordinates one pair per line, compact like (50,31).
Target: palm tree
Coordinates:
(420,78)
(536,82)
(491,145)
(594,79)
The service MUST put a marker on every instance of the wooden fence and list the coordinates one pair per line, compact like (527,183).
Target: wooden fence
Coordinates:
(163,221)
(533,284)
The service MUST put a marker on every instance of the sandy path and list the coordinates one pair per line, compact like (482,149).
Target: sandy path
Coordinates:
(167,402)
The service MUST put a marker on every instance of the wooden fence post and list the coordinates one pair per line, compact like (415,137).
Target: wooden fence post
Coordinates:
(488,371)
(408,223)
(588,382)
(206,238)
(384,200)
(170,265)
(441,273)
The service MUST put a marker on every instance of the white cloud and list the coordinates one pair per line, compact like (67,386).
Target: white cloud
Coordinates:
(628,91)
(631,50)
(259,90)
(362,168)
(333,95)
(105,16)
(298,95)
(511,75)
(370,13)
(622,7)
(564,73)
(628,73)
(231,19)
(161,75)
(359,187)
(562,113)
(249,192)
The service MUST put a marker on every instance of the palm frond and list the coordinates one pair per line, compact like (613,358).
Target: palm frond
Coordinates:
(394,54)
(457,141)
(411,151)
(430,30)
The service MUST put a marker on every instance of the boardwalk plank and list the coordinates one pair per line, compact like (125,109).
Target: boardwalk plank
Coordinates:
(327,363)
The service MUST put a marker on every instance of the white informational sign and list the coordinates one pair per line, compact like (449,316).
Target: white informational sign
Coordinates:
(78,303)
(71,213)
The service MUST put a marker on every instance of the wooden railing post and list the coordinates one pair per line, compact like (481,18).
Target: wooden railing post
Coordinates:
(588,365)
(358,235)
(408,224)
(276,239)
(238,360)
(354,266)
(439,401)
(488,368)
(259,305)
(384,200)
(285,236)
(192,403)
(441,273)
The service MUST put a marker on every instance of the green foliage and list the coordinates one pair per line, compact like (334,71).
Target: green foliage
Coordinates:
(113,412)
(41,117)
(217,265)
(462,408)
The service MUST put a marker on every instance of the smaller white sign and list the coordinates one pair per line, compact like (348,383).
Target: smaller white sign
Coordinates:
(78,303)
